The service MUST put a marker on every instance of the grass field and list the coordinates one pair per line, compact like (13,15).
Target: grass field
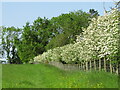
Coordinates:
(47,76)
(0,76)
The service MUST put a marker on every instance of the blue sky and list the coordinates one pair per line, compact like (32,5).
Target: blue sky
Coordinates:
(18,13)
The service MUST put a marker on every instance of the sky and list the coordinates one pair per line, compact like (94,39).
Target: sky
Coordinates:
(18,13)
(58,0)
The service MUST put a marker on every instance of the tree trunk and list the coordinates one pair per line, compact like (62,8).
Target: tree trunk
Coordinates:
(113,68)
(117,69)
(104,64)
(99,64)
(90,66)
(84,66)
(80,66)
(94,64)
(110,66)
(87,66)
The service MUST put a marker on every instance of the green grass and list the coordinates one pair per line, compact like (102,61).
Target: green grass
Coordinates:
(47,76)
(0,76)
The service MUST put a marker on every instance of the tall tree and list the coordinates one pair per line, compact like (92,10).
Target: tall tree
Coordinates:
(70,25)
(93,13)
(8,47)
(34,39)
(0,42)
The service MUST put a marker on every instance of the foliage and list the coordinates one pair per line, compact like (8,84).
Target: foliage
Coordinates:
(23,44)
(99,40)
(1,42)
(8,46)
(102,36)
(58,41)
(33,40)
(93,13)
(67,26)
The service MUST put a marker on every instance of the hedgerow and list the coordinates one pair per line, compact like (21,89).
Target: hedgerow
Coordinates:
(99,40)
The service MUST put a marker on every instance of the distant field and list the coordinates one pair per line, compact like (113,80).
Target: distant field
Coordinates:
(47,76)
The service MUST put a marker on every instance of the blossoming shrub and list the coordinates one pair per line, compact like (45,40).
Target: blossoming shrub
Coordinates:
(102,35)
(100,39)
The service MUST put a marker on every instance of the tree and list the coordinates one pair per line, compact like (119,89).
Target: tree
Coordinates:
(8,46)
(34,39)
(68,26)
(0,42)
(93,13)
(101,40)
(58,41)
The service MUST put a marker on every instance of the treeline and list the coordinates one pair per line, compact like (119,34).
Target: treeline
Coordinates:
(99,42)
(21,45)
(97,48)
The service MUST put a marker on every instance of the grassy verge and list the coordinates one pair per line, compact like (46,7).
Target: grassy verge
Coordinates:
(47,76)
(0,76)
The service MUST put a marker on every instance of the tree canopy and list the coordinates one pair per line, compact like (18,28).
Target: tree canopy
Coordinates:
(99,40)
(21,45)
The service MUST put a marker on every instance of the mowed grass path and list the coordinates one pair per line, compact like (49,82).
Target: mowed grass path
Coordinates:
(47,76)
